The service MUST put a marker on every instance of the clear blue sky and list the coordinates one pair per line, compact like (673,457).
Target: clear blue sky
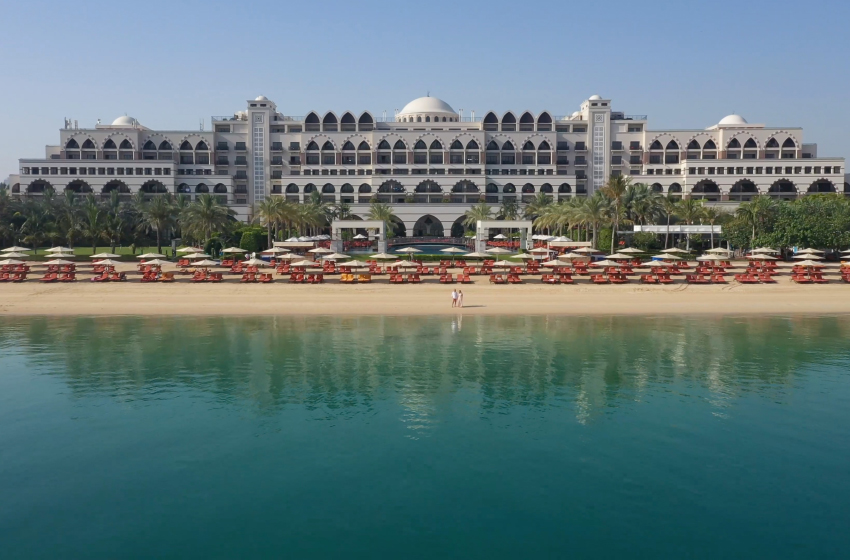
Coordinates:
(169,64)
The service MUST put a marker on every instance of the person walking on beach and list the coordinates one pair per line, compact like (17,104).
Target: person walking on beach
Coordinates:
(460,298)
(454,298)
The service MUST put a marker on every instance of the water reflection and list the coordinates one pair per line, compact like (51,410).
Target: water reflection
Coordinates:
(344,365)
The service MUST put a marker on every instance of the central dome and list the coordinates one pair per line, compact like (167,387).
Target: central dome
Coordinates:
(733,120)
(427,105)
(124,121)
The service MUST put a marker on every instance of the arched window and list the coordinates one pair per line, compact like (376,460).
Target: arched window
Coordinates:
(292,188)
(472,145)
(465,186)
(672,145)
(220,189)
(72,145)
(391,186)
(672,189)
(347,146)
(656,146)
(109,145)
(526,121)
(383,145)
(183,188)
(565,188)
(508,146)
(544,146)
(544,121)
(399,145)
(436,145)
(656,187)
(202,188)
(710,145)
(420,145)
(186,146)
(154,187)
(149,146)
(528,146)
(125,145)
(327,146)
(78,186)
(418,119)
(492,146)
(346,189)
(116,185)
(491,189)
(312,118)
(693,145)
(509,188)
(201,146)
(772,143)
(363,146)
(508,118)
(88,145)
(428,186)
(312,146)
(365,118)
(546,188)
(750,143)
(789,143)
(309,187)
(364,188)
(347,118)
(734,143)
(165,145)
(822,186)
(491,121)
(528,188)
(456,145)
(328,189)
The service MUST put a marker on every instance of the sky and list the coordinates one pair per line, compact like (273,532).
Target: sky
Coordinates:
(171,64)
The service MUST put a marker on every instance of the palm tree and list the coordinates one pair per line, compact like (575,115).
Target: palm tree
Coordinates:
(556,215)
(712,214)
(382,212)
(480,212)
(538,205)
(669,206)
(690,210)
(158,215)
(206,216)
(93,221)
(36,223)
(594,211)
(615,189)
(268,212)
(756,212)
(509,210)
(70,220)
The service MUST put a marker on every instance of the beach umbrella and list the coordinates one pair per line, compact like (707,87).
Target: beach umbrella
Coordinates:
(58,250)
(335,257)
(498,251)
(674,250)
(476,256)
(255,262)
(10,262)
(540,257)
(15,249)
(522,256)
(718,250)
(230,250)
(560,239)
(807,256)
(360,236)
(541,251)
(764,250)
(618,256)
(159,262)
(764,257)
(630,251)
(606,262)
(503,264)
(383,257)
(59,262)
(403,264)
(149,256)
(190,250)
(198,256)
(206,262)
(586,250)
(62,255)
(292,240)
(289,257)
(809,263)
(708,258)
(274,251)
(320,251)
(352,264)
(101,256)
(813,251)
(107,262)
(15,255)
(554,263)
(305,263)
(573,255)
(500,236)
(409,250)
(452,250)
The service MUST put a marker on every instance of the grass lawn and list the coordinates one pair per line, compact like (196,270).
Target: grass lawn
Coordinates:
(84,252)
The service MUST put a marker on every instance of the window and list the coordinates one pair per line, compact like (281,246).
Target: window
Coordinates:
(581,160)
(580,146)
(544,159)
(579,129)
(508,159)
(635,145)
(563,146)
(634,160)
(616,145)
(472,158)
(240,146)
(635,128)
(328,159)
(616,160)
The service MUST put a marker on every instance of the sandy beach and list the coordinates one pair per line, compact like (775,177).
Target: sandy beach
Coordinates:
(429,298)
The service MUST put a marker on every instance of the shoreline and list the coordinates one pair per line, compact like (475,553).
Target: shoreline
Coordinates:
(231,298)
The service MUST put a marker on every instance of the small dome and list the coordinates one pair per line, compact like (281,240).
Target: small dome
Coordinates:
(125,121)
(733,120)
(429,105)
(262,98)
(594,98)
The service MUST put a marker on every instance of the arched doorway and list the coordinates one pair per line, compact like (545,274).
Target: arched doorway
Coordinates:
(39,186)
(458,227)
(706,190)
(783,189)
(821,186)
(428,226)
(398,227)
(79,186)
(744,190)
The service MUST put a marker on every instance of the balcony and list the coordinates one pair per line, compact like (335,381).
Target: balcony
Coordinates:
(241,161)
(277,147)
(240,147)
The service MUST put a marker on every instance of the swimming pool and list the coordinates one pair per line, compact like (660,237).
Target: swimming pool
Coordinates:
(429,248)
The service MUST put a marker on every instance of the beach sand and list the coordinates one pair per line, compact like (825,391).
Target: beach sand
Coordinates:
(429,298)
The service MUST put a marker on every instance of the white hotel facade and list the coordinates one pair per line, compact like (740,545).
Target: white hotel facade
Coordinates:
(429,161)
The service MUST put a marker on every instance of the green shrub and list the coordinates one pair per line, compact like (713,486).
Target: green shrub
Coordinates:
(251,241)
(646,241)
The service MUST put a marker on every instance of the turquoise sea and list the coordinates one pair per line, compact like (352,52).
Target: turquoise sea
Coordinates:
(483,437)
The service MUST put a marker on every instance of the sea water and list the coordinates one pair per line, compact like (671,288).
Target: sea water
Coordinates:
(484,437)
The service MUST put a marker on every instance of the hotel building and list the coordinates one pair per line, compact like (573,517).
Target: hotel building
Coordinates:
(428,160)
